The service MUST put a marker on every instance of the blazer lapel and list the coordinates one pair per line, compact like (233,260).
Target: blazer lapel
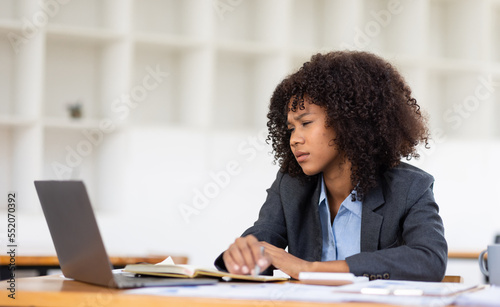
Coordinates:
(371,222)
(317,234)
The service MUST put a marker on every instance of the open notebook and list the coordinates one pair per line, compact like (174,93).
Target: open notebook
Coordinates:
(168,268)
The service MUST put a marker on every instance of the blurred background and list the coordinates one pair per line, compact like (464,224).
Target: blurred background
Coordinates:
(160,107)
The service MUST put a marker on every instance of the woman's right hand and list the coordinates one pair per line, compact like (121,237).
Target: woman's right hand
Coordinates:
(242,256)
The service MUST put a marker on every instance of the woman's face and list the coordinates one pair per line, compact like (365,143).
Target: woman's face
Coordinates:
(311,141)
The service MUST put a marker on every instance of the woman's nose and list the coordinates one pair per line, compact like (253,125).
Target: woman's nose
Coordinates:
(296,138)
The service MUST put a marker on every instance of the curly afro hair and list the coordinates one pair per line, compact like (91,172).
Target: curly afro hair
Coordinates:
(368,104)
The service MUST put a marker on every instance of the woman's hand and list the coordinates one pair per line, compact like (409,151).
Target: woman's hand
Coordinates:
(286,262)
(243,254)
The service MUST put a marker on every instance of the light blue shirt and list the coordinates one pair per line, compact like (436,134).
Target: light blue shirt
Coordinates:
(342,239)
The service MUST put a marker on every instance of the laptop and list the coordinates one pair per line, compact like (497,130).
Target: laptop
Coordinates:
(78,242)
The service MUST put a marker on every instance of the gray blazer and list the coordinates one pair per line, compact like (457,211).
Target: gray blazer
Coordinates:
(402,234)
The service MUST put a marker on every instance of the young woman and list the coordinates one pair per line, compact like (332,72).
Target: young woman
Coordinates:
(343,201)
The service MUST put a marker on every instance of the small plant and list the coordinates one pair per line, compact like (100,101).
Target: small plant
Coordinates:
(75,109)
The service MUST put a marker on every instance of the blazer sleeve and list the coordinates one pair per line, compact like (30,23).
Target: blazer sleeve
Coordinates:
(420,253)
(270,226)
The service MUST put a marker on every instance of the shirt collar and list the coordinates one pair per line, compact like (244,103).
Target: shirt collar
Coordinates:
(348,203)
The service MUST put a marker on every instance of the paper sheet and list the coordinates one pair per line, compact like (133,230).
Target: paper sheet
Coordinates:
(487,297)
(405,288)
(167,261)
(288,291)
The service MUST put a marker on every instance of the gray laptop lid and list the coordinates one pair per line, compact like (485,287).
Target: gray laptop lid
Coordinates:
(73,227)
(78,243)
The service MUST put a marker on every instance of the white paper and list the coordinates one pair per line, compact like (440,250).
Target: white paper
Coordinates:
(167,261)
(405,288)
(327,276)
(251,291)
(487,297)
(287,292)
(280,273)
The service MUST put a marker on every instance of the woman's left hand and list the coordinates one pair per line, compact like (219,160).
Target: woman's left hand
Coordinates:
(286,262)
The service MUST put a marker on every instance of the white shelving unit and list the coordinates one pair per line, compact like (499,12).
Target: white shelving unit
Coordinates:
(223,60)
(211,66)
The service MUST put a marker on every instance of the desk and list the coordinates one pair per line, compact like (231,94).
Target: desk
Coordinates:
(44,263)
(463,255)
(54,290)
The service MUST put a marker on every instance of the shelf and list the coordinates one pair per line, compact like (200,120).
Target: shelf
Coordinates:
(406,60)
(10,25)
(16,121)
(384,23)
(170,17)
(156,40)
(169,86)
(71,149)
(452,66)
(495,30)
(76,34)
(248,48)
(307,26)
(314,24)
(495,111)
(303,54)
(233,82)
(80,67)
(70,123)
(248,21)
(243,87)
(8,9)
(158,103)
(84,13)
(6,165)
(453,36)
(7,80)
(466,104)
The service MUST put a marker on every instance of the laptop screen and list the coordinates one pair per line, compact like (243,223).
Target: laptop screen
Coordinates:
(74,231)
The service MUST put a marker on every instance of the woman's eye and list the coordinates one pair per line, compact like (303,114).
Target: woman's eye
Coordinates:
(306,123)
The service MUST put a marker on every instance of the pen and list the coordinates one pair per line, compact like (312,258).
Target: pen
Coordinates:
(256,270)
